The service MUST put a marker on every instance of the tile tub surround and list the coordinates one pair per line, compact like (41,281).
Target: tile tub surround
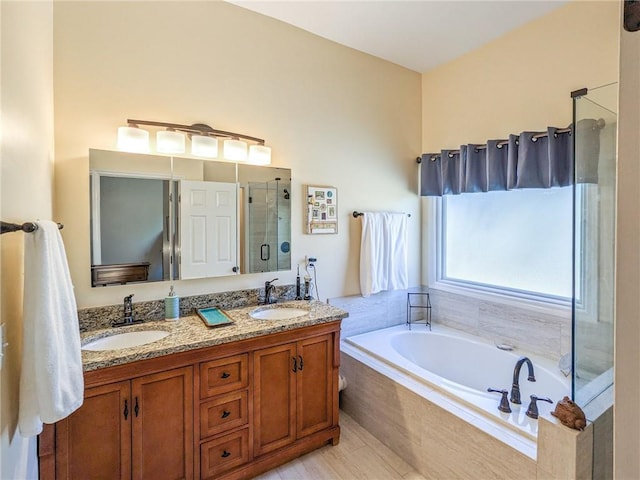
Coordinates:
(103,317)
(381,310)
(536,330)
(437,438)
(190,333)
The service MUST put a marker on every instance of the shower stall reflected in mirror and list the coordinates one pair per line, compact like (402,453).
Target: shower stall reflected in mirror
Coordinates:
(595,128)
(265,224)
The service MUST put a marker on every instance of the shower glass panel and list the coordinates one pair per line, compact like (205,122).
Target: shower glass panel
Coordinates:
(593,313)
(268,232)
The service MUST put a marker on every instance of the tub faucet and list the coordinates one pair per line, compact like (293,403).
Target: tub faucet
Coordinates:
(268,286)
(515,388)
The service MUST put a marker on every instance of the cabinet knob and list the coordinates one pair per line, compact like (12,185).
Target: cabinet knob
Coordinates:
(225,375)
(225,414)
(225,454)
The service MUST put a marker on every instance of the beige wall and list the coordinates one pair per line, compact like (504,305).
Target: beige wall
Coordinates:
(333,115)
(627,357)
(523,80)
(27,175)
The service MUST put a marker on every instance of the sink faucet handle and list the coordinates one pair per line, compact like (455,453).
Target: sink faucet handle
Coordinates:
(504,401)
(270,281)
(532,411)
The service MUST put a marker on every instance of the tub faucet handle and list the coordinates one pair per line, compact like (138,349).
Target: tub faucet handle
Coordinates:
(504,401)
(532,411)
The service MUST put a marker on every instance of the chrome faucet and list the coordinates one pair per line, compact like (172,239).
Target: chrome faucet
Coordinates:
(268,286)
(127,316)
(515,388)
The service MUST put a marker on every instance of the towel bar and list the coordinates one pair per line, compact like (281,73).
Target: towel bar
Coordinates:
(357,214)
(28,227)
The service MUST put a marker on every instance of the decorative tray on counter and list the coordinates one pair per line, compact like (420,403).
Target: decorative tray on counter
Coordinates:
(214,317)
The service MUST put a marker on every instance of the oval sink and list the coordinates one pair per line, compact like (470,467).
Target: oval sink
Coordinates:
(277,313)
(125,340)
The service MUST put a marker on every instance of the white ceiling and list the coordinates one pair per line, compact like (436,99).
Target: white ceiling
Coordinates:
(418,34)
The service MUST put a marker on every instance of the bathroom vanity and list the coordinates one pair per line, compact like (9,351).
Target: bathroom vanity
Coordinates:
(228,402)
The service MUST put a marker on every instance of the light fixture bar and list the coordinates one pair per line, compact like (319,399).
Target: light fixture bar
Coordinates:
(199,128)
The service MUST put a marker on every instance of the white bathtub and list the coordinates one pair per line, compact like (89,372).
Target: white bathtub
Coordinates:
(462,367)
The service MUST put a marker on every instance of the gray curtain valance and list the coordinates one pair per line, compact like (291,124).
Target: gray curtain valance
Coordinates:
(528,160)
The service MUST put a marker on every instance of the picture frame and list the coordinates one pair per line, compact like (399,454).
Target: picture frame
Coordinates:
(321,210)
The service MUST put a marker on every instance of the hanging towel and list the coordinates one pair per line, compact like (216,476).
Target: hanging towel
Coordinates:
(383,252)
(51,381)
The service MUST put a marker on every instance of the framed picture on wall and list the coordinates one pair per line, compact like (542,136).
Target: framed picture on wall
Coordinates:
(321,210)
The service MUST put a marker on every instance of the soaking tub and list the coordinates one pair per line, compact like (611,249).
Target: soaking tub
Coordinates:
(461,367)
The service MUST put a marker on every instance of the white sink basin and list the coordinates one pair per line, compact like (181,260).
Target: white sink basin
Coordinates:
(277,313)
(125,340)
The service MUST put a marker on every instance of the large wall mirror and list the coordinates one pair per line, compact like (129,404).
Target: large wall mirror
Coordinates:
(157,218)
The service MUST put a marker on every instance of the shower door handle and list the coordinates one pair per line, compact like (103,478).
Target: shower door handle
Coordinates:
(265,248)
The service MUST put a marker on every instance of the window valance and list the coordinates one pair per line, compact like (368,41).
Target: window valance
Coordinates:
(527,160)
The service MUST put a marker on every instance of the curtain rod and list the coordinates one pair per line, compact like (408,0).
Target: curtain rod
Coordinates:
(599,124)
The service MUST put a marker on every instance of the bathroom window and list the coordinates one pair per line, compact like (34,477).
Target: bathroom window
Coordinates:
(517,242)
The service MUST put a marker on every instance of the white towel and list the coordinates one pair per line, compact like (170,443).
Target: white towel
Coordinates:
(383,252)
(51,381)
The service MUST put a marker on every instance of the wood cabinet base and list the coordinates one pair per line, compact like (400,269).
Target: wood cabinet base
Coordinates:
(280,457)
(226,412)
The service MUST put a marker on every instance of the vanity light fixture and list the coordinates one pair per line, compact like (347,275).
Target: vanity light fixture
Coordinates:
(204,146)
(133,139)
(170,141)
(234,149)
(204,141)
(259,155)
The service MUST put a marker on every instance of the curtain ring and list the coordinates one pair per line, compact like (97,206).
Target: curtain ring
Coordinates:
(433,159)
(555,134)
(499,146)
(451,155)
(475,150)
(534,139)
(517,142)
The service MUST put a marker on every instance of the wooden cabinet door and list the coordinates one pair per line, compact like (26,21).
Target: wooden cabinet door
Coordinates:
(274,397)
(314,384)
(162,423)
(95,441)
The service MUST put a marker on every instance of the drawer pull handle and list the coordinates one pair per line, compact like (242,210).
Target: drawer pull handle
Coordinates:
(225,454)
(225,414)
(136,409)
(126,410)
(295,365)
(301,363)
(225,375)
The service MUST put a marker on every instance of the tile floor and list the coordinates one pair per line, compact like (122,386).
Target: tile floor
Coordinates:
(359,455)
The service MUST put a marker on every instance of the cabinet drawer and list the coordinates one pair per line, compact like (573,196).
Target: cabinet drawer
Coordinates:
(224,375)
(224,413)
(224,453)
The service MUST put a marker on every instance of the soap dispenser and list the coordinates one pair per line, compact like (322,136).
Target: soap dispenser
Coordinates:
(172,306)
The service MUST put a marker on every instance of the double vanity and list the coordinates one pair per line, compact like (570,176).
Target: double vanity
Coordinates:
(168,399)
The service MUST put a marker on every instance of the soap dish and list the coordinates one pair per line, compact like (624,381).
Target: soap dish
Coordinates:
(214,317)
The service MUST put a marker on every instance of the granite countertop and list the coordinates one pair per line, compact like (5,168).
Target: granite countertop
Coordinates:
(190,333)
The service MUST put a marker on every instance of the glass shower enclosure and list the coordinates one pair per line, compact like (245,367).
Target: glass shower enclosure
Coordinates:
(595,134)
(267,232)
